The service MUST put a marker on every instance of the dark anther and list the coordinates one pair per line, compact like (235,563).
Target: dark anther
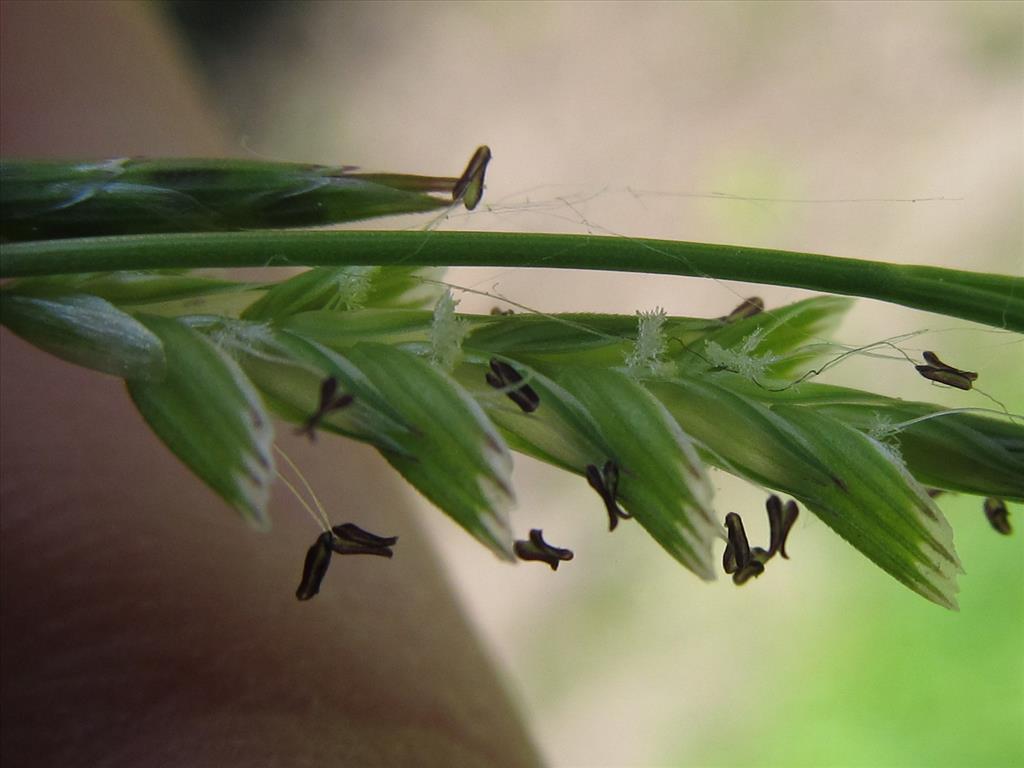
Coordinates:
(470,186)
(738,559)
(747,308)
(315,568)
(606,482)
(780,520)
(330,401)
(502,376)
(936,370)
(350,539)
(737,551)
(345,539)
(751,570)
(500,311)
(742,561)
(538,549)
(998,517)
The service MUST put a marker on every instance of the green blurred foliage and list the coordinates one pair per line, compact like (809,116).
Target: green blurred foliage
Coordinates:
(883,682)
(993,37)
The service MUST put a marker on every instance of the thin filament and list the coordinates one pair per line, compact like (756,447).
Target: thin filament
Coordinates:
(322,520)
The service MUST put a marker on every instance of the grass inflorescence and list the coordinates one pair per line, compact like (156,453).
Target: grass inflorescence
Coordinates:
(369,345)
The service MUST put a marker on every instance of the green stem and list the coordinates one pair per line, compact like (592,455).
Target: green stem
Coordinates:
(985,298)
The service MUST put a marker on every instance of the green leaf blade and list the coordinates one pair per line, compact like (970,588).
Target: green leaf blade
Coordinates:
(853,483)
(209,415)
(778,344)
(454,455)
(347,288)
(129,288)
(743,436)
(961,452)
(88,331)
(949,449)
(560,432)
(662,482)
(53,199)
(423,423)
(882,510)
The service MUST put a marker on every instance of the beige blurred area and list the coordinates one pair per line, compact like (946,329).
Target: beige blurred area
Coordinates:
(882,131)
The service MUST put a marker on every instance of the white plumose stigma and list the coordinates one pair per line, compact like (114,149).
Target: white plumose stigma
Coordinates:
(352,287)
(884,432)
(650,345)
(741,359)
(882,428)
(446,333)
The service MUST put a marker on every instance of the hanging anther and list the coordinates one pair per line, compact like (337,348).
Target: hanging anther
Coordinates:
(751,570)
(938,371)
(744,561)
(737,549)
(780,519)
(498,311)
(504,376)
(470,186)
(350,539)
(606,482)
(330,401)
(345,539)
(738,559)
(746,308)
(998,516)
(538,549)
(315,568)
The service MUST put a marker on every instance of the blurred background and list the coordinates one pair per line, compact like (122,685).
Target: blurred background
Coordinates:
(883,131)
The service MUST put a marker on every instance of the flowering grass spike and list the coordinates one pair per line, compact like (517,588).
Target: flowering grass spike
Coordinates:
(368,345)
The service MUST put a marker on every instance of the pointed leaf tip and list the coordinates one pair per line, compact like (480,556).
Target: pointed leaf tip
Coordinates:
(451,452)
(86,330)
(211,417)
(879,507)
(662,482)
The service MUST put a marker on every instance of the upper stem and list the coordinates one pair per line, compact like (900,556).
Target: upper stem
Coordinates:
(995,300)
